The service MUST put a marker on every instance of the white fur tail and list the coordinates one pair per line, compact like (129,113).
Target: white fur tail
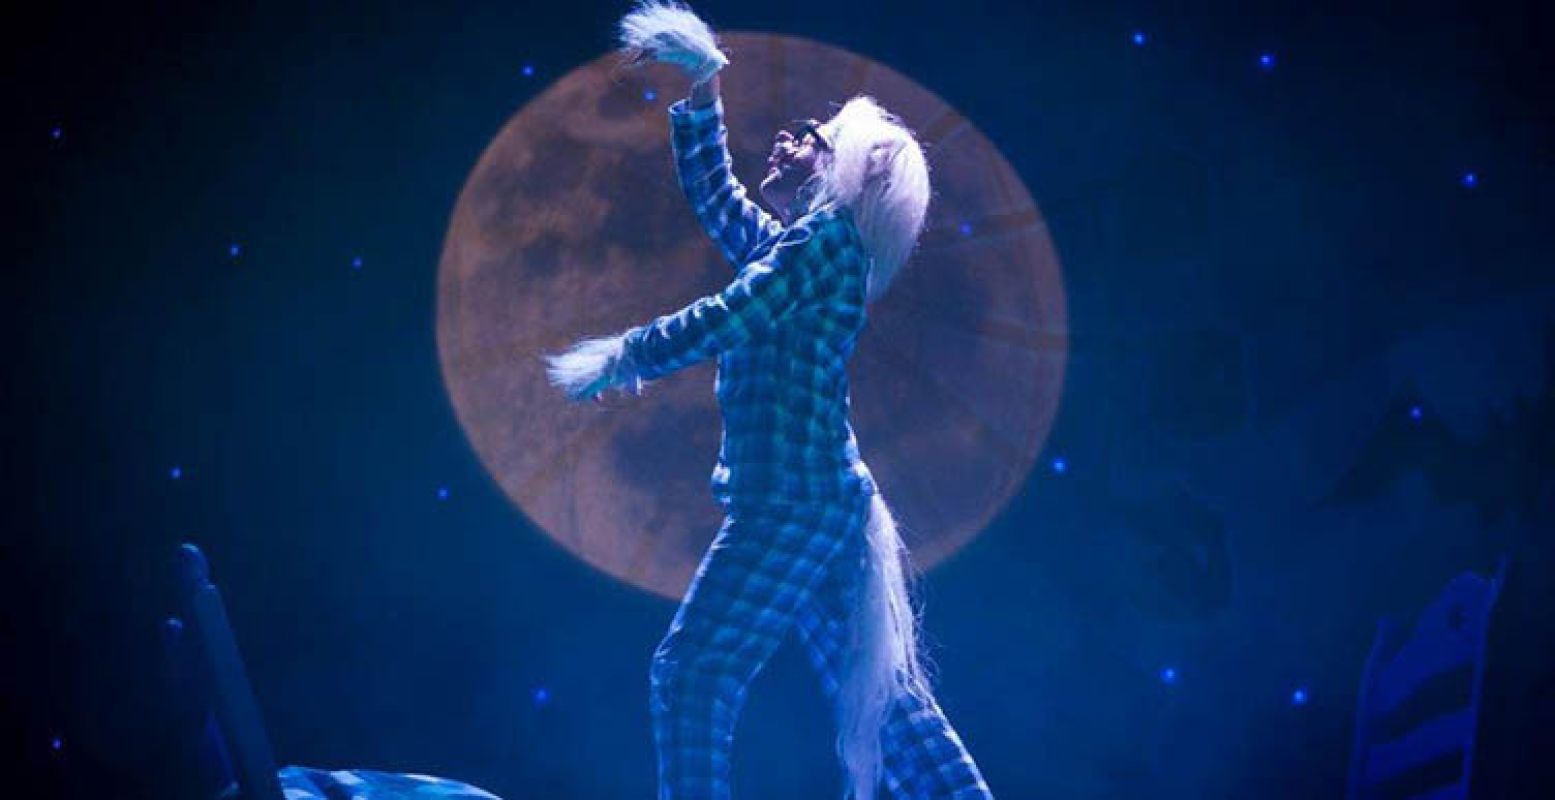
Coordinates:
(884,647)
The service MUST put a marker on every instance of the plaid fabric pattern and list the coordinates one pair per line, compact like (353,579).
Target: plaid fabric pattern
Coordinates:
(782,332)
(791,553)
(923,755)
(771,570)
(701,144)
(305,783)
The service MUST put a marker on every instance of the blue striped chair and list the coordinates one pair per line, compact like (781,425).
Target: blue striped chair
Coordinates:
(228,752)
(1419,698)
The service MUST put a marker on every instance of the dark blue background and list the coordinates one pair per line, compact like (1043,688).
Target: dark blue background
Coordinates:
(1267,268)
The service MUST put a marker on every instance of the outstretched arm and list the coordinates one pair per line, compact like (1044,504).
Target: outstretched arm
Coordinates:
(801,269)
(702,163)
(765,294)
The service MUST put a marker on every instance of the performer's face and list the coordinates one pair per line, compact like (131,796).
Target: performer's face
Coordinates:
(792,162)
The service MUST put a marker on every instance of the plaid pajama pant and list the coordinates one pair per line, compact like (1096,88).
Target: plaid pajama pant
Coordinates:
(773,568)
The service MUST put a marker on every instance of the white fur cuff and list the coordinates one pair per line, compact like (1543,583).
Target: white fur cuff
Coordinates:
(591,366)
(672,33)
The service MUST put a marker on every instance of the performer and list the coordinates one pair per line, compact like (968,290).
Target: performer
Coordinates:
(807,542)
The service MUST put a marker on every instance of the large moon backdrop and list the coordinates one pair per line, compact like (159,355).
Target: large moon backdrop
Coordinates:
(572,224)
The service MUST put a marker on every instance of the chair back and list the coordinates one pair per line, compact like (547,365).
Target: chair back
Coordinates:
(234,750)
(1419,698)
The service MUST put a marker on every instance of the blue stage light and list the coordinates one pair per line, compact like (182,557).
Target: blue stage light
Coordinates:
(56,133)
(356,263)
(1060,466)
(966,229)
(650,95)
(1415,413)
(442,492)
(1168,675)
(529,70)
(1139,38)
(1298,697)
(57,744)
(542,696)
(1266,61)
(234,249)
(1470,179)
(175,473)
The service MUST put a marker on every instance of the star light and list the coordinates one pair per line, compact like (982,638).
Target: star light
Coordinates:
(1469,180)
(57,744)
(529,70)
(1299,697)
(56,133)
(542,696)
(966,229)
(356,262)
(1138,38)
(442,492)
(1060,466)
(1168,675)
(1415,413)
(234,250)
(650,95)
(175,473)
(1266,61)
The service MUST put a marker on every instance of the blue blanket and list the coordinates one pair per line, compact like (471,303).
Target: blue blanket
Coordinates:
(302,783)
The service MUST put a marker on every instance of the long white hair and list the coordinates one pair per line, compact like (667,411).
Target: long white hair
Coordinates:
(883,661)
(877,169)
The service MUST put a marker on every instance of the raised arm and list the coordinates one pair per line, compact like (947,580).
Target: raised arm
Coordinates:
(766,293)
(702,163)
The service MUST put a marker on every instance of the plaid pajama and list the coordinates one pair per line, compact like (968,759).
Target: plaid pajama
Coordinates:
(923,755)
(791,552)
(782,331)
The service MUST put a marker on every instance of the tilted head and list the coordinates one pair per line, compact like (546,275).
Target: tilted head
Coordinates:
(862,158)
(799,151)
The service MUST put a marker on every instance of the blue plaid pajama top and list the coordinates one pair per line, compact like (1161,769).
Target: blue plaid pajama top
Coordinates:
(782,331)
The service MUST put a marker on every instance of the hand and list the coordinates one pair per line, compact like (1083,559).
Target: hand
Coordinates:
(596,390)
(616,377)
(593,366)
(697,67)
(671,33)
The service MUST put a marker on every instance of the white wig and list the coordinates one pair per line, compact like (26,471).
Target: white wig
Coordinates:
(877,169)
